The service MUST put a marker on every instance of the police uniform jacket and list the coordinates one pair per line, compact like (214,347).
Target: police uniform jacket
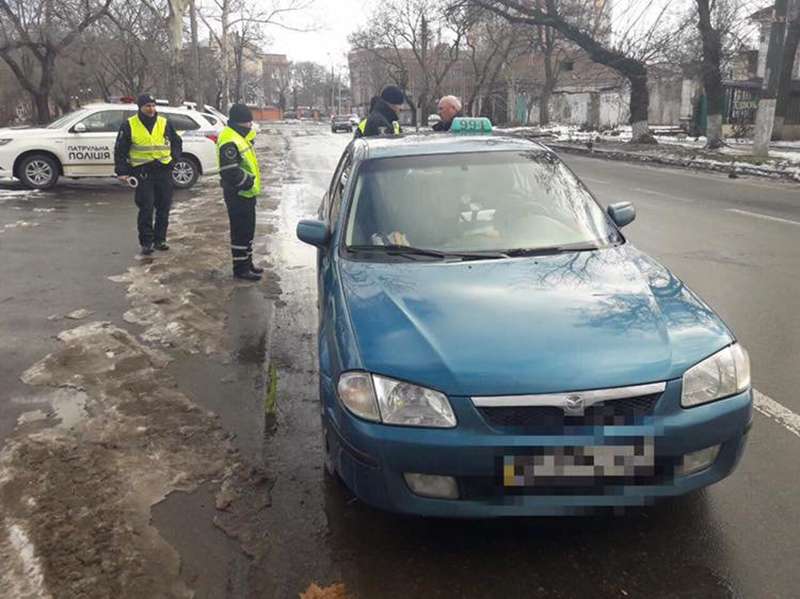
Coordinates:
(124,141)
(379,121)
(233,180)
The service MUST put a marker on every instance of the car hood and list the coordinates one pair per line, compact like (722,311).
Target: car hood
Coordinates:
(577,321)
(24,131)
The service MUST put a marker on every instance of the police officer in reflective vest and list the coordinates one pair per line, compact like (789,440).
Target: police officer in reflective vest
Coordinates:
(146,148)
(362,124)
(383,119)
(241,183)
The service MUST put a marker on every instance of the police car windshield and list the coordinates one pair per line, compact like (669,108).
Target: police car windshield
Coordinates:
(510,201)
(59,123)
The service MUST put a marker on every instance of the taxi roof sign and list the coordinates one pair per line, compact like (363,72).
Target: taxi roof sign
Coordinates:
(463,124)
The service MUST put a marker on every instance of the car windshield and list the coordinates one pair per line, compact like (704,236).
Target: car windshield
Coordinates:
(59,123)
(508,202)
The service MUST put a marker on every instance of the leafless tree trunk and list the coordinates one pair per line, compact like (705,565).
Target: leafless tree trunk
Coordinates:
(712,77)
(785,82)
(765,117)
(196,88)
(177,8)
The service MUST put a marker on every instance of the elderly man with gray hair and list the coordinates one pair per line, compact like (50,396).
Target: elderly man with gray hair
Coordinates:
(449,107)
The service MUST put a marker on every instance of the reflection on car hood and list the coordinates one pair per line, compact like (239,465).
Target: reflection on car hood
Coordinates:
(583,320)
(25,131)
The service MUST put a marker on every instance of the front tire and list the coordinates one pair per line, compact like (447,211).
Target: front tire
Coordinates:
(38,171)
(185,172)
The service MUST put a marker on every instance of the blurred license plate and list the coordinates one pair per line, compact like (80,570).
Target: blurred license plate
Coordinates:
(591,461)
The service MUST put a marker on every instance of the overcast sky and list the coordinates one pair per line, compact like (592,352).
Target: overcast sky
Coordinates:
(335,20)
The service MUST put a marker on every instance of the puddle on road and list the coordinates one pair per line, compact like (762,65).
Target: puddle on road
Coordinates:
(66,405)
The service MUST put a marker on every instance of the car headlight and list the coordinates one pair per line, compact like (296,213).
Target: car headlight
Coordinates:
(725,373)
(386,400)
(358,395)
(5,141)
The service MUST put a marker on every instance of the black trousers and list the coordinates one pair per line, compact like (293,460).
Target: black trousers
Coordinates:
(154,194)
(242,217)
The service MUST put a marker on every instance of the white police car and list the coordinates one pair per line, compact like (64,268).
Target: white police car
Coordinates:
(81,144)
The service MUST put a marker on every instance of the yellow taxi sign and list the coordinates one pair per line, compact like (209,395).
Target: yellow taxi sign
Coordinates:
(463,124)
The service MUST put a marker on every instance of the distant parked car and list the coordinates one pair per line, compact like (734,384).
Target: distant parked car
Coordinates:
(341,122)
(81,144)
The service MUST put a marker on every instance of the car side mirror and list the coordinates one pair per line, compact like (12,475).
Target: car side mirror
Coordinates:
(622,213)
(313,232)
(79,128)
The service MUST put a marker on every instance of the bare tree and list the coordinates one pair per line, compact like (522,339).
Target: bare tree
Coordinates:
(418,41)
(309,83)
(42,30)
(130,49)
(634,48)
(224,17)
(489,45)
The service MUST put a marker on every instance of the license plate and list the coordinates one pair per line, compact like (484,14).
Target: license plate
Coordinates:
(590,461)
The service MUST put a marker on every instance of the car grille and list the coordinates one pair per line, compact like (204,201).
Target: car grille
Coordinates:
(553,420)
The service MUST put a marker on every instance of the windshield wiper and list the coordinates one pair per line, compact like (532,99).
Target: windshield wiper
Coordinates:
(408,250)
(397,250)
(553,249)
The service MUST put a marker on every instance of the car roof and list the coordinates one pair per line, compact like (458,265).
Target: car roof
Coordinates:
(420,144)
(122,106)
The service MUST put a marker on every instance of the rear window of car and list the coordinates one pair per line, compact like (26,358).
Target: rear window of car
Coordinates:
(211,119)
(182,122)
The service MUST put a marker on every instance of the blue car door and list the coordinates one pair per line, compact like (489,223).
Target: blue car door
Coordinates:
(327,284)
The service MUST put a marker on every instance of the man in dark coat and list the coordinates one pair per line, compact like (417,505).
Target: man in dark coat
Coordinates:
(147,147)
(449,107)
(383,119)
(240,177)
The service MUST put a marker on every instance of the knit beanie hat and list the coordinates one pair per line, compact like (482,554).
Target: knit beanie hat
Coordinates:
(145,99)
(239,113)
(393,95)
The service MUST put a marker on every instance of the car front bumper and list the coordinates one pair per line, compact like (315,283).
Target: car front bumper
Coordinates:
(372,458)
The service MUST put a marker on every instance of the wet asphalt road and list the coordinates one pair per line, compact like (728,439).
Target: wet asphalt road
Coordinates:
(736,539)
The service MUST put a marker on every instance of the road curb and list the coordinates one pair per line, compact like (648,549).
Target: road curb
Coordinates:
(688,163)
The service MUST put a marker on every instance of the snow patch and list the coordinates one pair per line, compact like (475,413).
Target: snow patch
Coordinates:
(21,574)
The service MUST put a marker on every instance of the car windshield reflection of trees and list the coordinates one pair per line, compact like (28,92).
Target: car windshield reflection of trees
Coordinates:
(489,201)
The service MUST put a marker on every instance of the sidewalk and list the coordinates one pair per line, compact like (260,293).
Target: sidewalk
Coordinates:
(735,158)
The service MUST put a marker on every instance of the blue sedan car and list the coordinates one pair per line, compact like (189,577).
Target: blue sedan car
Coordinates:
(490,344)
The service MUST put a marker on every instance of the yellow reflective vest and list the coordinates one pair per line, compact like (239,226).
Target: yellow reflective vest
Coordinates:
(248,162)
(148,146)
(362,125)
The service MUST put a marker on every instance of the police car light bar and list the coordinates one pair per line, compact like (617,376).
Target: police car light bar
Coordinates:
(464,124)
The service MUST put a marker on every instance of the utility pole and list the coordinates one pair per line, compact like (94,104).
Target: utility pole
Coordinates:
(765,117)
(333,89)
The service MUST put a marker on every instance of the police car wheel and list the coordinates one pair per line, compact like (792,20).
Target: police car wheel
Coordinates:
(185,172)
(38,171)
